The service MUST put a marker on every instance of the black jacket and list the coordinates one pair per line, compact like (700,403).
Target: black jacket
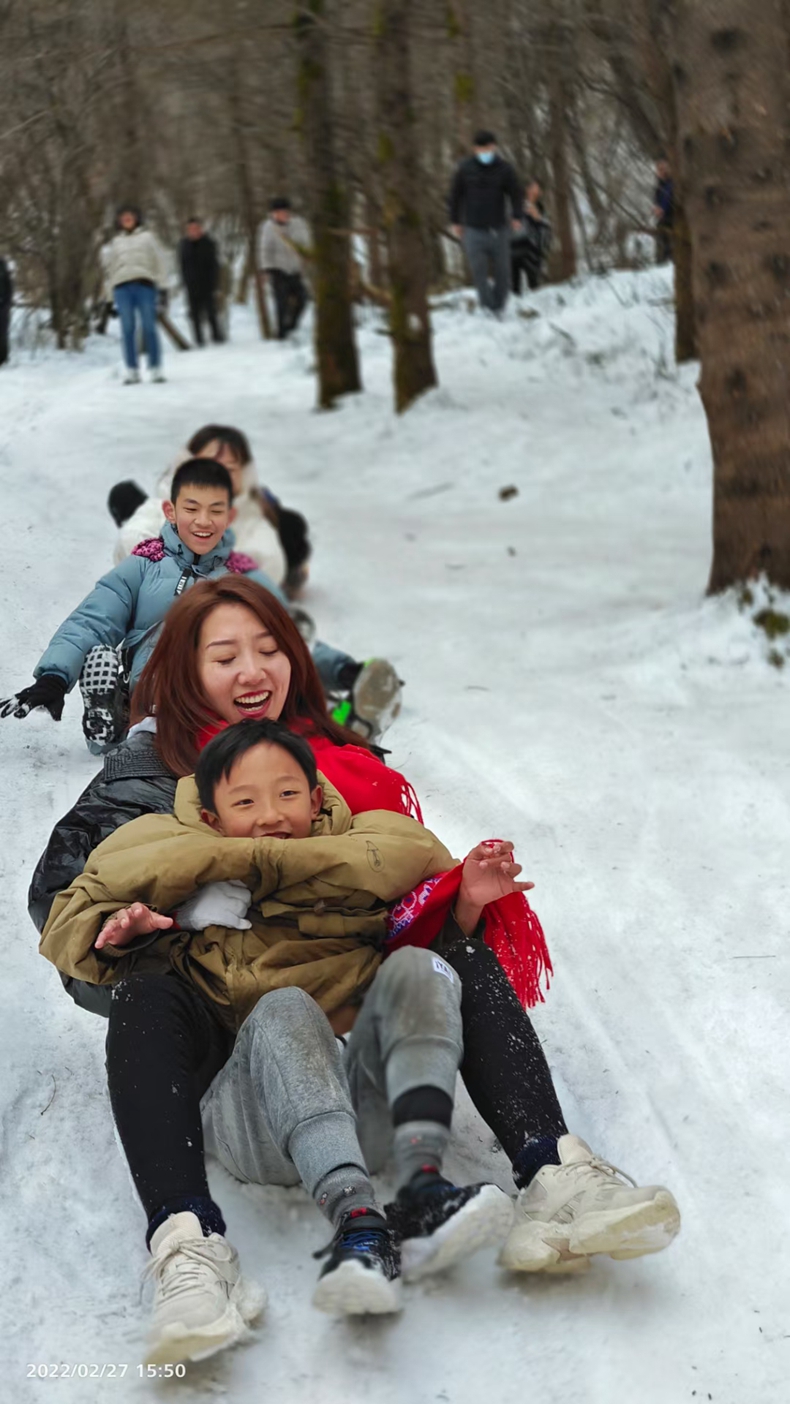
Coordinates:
(479,193)
(133,782)
(199,264)
(6,286)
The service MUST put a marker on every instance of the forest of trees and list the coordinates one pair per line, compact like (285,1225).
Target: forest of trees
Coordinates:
(359,109)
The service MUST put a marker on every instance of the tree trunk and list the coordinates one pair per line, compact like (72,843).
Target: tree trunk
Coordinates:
(336,351)
(249,213)
(464,82)
(398,151)
(685,316)
(731,84)
(558,151)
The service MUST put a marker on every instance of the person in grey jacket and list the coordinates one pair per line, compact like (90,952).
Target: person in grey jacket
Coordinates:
(483,187)
(134,273)
(280,261)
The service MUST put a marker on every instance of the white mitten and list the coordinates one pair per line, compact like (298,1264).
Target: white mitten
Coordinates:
(216,904)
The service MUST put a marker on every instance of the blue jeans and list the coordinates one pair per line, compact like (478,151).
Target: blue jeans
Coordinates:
(132,299)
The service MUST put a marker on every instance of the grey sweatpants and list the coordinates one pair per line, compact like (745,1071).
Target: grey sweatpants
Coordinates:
(488,252)
(287,1107)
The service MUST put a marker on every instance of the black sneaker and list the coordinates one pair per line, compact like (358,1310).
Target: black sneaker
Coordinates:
(104,698)
(362,1274)
(439,1223)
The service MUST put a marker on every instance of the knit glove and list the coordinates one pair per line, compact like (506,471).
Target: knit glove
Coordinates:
(216,904)
(47,691)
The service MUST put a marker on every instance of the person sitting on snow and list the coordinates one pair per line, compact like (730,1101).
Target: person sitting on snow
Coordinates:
(365,696)
(257,1006)
(106,641)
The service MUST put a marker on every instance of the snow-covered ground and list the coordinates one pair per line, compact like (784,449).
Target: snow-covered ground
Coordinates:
(567,686)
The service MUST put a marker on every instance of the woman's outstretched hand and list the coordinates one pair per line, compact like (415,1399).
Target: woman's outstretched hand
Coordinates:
(489,873)
(137,920)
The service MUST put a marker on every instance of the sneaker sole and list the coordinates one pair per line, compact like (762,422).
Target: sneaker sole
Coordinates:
(179,1342)
(627,1233)
(354,1290)
(483,1222)
(376,697)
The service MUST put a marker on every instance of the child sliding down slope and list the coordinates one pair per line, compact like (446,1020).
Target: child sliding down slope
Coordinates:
(282,1106)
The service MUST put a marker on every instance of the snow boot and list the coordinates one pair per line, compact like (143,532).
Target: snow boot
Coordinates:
(362,1273)
(104,696)
(132,377)
(201,1302)
(439,1223)
(375,700)
(580,1207)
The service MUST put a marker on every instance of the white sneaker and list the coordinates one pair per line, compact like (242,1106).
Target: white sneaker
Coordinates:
(158,376)
(132,377)
(201,1302)
(580,1207)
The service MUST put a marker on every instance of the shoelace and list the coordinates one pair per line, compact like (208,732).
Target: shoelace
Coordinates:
(197,1258)
(595,1164)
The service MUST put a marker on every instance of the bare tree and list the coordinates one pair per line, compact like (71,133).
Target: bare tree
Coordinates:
(730,73)
(409,318)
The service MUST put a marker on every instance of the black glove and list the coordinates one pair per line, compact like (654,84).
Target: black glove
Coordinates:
(112,310)
(47,691)
(162,299)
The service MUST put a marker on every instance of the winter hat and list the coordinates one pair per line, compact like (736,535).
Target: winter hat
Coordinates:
(280,204)
(484,138)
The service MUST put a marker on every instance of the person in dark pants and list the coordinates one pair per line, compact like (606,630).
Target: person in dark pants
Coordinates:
(6,295)
(197,255)
(483,187)
(530,246)
(664,210)
(280,261)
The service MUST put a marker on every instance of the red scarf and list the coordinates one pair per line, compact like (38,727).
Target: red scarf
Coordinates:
(512,931)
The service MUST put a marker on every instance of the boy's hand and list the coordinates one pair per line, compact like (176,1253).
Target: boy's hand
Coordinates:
(489,873)
(137,920)
(47,691)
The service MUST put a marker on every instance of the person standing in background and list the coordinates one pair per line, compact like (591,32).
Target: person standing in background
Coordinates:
(6,297)
(483,186)
(280,261)
(530,246)
(664,210)
(134,274)
(199,264)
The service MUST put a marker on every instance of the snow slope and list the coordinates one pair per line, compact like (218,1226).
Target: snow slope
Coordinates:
(568,687)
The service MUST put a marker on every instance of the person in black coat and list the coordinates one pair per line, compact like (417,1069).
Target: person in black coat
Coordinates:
(530,246)
(197,254)
(6,295)
(483,187)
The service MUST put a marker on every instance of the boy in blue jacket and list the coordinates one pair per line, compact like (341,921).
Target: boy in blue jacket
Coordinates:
(105,643)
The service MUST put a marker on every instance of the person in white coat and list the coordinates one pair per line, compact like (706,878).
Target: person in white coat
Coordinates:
(256,535)
(134,271)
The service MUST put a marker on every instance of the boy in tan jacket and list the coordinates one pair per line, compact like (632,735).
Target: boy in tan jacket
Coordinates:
(242,1018)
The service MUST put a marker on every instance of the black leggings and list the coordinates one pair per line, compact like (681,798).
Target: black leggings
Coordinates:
(164,1048)
(504,1066)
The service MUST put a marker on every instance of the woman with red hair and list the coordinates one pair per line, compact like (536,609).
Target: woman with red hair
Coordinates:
(229,651)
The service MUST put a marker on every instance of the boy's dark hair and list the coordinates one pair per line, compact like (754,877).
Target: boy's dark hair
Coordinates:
(279,203)
(224,435)
(201,472)
(484,138)
(220,755)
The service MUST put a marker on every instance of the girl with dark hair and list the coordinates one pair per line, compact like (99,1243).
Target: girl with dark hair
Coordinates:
(228,652)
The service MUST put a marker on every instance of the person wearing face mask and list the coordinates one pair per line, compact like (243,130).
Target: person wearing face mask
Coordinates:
(483,187)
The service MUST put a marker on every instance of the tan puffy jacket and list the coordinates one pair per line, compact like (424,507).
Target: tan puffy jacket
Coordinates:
(317,908)
(133,257)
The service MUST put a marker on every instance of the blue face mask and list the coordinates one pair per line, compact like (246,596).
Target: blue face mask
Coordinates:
(486,157)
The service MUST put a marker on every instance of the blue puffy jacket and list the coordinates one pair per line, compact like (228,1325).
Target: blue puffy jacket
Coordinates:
(130,602)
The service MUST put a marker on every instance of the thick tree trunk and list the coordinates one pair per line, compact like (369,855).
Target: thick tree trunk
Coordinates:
(336,351)
(466,116)
(409,318)
(731,82)
(249,212)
